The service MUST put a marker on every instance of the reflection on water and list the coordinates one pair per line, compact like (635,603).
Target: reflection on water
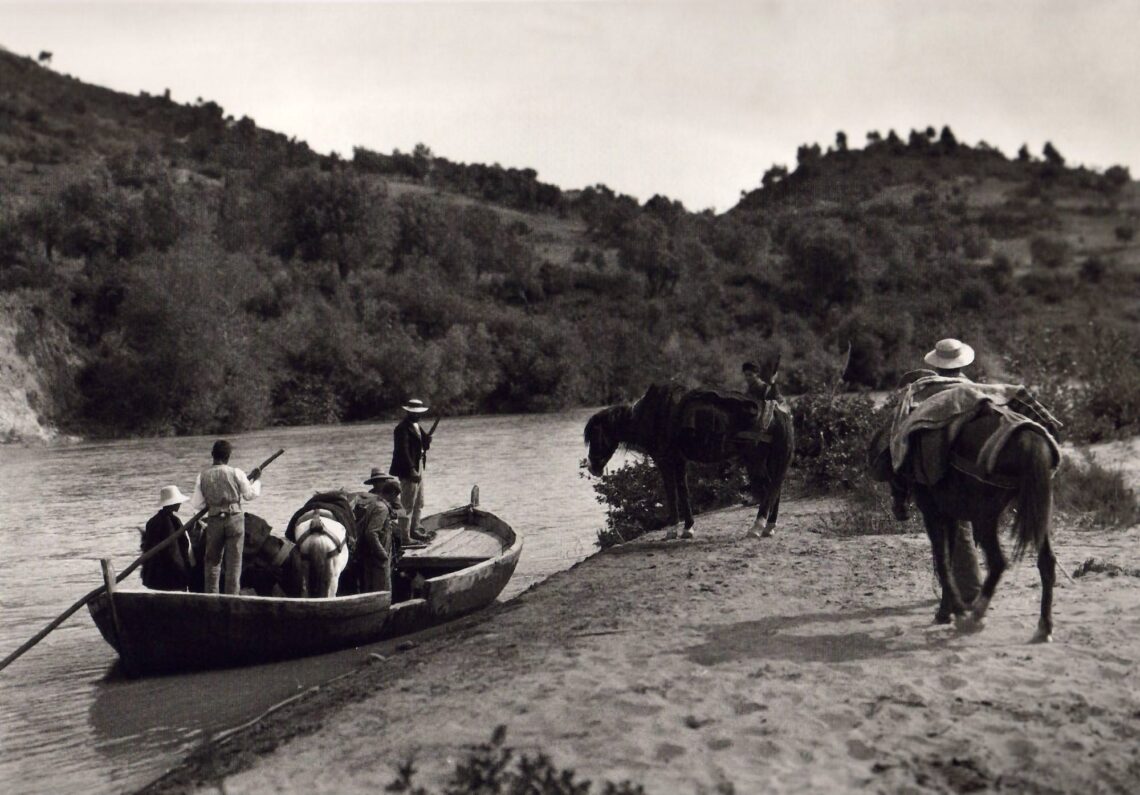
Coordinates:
(68,721)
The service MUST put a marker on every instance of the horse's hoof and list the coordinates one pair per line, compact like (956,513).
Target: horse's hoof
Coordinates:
(671,533)
(768,530)
(968,624)
(753,533)
(1042,637)
(942,618)
(687,532)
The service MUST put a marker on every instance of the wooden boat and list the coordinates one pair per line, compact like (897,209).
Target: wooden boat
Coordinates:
(464,568)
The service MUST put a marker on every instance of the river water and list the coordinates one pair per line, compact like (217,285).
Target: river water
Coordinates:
(69,721)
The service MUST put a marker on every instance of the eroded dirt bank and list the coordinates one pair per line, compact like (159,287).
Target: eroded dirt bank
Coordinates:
(800,663)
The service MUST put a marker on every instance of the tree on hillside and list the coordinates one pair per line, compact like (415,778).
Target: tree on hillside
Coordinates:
(1023,155)
(1052,156)
(841,141)
(44,58)
(331,216)
(947,140)
(774,176)
(646,250)
(823,268)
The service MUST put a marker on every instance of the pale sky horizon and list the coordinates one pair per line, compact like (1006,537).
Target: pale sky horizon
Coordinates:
(691,100)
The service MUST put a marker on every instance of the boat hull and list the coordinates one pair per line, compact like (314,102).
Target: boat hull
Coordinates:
(160,632)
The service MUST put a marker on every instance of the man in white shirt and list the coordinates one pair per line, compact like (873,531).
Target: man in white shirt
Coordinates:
(220,488)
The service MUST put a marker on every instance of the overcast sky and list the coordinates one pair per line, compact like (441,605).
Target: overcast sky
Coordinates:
(693,100)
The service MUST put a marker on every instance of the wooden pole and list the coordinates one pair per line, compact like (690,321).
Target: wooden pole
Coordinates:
(43,633)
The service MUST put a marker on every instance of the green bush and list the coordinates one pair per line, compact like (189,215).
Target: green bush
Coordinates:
(493,769)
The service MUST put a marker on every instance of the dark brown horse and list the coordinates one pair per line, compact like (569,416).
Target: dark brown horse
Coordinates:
(673,425)
(1023,475)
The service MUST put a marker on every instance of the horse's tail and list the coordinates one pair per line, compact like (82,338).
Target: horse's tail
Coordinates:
(315,558)
(1035,493)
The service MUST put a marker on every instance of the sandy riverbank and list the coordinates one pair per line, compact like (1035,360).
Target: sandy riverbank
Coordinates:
(801,663)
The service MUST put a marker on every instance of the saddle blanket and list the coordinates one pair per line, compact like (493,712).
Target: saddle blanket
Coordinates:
(935,408)
(718,420)
(333,504)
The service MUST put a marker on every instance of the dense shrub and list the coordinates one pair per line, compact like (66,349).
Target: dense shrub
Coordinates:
(634,496)
(832,433)
(1049,252)
(1090,495)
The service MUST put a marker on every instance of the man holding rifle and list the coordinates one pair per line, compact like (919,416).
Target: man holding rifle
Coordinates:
(220,489)
(409,457)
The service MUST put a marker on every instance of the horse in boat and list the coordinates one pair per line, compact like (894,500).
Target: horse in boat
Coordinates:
(269,563)
(1021,474)
(673,426)
(324,530)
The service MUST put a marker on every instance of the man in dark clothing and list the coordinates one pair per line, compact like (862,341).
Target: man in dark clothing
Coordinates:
(170,570)
(376,514)
(410,444)
(948,359)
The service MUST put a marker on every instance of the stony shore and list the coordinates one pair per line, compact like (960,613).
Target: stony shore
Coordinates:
(801,663)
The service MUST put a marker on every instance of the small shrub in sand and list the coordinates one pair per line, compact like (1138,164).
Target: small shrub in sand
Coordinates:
(492,769)
(634,499)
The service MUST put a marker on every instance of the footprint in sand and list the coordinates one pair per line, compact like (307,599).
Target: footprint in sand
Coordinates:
(952,682)
(857,749)
(667,752)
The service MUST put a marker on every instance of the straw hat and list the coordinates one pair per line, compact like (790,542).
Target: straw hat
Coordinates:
(950,354)
(380,476)
(416,406)
(170,495)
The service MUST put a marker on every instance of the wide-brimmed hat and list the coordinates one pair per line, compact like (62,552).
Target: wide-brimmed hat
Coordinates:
(416,406)
(950,354)
(380,476)
(170,495)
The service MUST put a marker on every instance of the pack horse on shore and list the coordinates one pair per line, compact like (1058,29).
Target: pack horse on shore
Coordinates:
(673,426)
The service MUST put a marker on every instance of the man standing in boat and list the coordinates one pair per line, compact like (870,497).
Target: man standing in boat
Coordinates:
(376,512)
(409,458)
(220,489)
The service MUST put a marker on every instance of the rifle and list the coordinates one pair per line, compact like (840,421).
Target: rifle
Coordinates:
(434,425)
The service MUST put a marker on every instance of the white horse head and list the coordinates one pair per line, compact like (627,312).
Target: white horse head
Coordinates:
(323,544)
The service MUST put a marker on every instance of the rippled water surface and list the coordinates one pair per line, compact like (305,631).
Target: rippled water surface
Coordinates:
(69,723)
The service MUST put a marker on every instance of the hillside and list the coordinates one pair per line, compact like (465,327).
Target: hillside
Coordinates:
(208,275)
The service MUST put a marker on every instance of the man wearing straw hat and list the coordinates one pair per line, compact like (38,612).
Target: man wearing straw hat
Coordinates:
(170,571)
(949,358)
(410,444)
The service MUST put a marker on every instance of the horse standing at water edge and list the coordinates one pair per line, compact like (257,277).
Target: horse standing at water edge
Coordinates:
(673,425)
(1023,471)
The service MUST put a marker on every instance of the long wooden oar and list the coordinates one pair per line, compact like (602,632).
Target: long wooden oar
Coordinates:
(150,553)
